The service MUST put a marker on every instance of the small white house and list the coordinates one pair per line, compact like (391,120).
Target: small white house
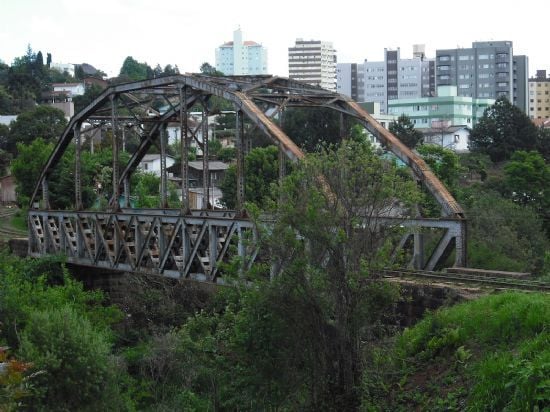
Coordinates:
(455,138)
(71,89)
(151,163)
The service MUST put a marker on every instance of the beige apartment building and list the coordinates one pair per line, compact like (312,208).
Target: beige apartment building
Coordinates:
(539,96)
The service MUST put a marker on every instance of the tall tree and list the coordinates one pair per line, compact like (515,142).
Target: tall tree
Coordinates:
(170,70)
(208,69)
(327,241)
(404,130)
(502,130)
(27,167)
(133,70)
(157,71)
(43,121)
(39,61)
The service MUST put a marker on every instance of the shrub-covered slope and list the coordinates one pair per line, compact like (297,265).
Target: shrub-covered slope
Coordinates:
(492,354)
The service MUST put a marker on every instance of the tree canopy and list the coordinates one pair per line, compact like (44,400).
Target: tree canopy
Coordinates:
(42,121)
(502,130)
(404,130)
(132,70)
(312,128)
(261,170)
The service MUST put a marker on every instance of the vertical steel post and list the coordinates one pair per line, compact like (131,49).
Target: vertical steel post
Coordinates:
(418,249)
(205,155)
(240,161)
(342,126)
(77,171)
(461,247)
(126,183)
(282,157)
(163,186)
(184,151)
(45,193)
(123,138)
(116,188)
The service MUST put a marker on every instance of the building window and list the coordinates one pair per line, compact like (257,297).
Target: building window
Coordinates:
(457,138)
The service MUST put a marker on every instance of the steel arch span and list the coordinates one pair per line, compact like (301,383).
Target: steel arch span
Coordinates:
(185,243)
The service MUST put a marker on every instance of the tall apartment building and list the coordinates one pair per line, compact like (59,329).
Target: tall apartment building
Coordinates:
(240,57)
(486,70)
(446,108)
(393,78)
(313,62)
(539,96)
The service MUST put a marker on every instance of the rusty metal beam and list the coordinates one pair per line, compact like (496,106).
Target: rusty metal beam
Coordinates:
(417,164)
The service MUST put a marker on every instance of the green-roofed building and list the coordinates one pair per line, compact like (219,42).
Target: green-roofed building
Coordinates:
(447,108)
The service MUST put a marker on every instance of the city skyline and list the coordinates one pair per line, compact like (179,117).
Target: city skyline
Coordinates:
(104,33)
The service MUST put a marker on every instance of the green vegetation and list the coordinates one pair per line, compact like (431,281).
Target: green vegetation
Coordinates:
(404,130)
(492,354)
(261,168)
(63,331)
(313,129)
(502,130)
(43,122)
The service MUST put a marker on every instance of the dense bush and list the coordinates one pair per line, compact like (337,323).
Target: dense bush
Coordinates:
(75,368)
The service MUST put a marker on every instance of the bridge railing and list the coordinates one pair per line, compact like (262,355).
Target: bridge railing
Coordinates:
(152,241)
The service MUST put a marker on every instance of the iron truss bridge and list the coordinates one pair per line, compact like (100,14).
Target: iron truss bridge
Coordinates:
(186,243)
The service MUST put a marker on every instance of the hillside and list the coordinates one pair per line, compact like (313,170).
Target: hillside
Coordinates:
(492,354)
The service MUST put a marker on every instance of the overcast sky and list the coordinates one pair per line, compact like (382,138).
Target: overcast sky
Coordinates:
(186,33)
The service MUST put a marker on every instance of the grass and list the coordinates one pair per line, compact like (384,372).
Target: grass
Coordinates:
(19,221)
(489,354)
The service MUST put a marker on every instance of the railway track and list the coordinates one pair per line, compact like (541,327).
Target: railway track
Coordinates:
(457,278)
(7,232)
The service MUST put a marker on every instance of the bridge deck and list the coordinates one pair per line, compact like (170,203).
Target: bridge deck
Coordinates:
(155,241)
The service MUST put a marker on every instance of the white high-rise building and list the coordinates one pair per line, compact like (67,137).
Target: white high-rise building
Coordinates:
(313,62)
(240,57)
